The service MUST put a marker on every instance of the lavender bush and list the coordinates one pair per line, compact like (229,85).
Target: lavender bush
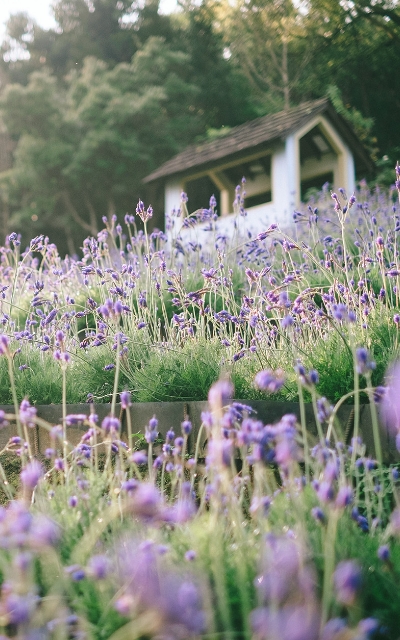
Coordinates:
(182,314)
(262,531)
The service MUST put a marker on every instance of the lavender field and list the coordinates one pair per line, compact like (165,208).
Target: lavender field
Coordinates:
(263,531)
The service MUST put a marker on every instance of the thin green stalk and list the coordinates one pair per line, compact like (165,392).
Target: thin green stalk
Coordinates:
(317,420)
(150,461)
(329,565)
(304,431)
(26,434)
(163,477)
(218,567)
(96,453)
(116,378)
(346,268)
(129,428)
(6,484)
(375,423)
(356,411)
(183,454)
(15,403)
(64,417)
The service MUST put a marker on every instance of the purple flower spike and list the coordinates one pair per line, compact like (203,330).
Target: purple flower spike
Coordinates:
(111,424)
(325,492)
(344,497)
(139,457)
(363,361)
(264,234)
(75,418)
(4,345)
(366,628)
(219,394)
(333,629)
(384,553)
(98,567)
(59,464)
(347,579)
(3,421)
(19,608)
(287,321)
(31,474)
(27,414)
(270,381)
(186,427)
(125,398)
(146,502)
(318,514)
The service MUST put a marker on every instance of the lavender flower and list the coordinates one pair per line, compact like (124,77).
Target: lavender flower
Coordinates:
(111,424)
(270,381)
(344,497)
(98,567)
(219,394)
(31,474)
(27,413)
(347,581)
(364,363)
(125,399)
(148,587)
(384,553)
(151,431)
(186,427)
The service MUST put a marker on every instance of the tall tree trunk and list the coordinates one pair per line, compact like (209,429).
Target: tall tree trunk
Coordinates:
(111,208)
(92,215)
(75,215)
(70,242)
(285,74)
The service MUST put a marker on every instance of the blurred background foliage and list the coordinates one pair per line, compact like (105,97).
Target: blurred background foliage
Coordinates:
(118,87)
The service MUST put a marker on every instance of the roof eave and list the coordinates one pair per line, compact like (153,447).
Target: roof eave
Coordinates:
(210,165)
(325,107)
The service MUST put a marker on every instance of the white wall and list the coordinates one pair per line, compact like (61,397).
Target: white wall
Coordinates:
(172,199)
(286,175)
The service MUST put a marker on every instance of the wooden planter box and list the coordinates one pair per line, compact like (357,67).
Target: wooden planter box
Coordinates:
(171,414)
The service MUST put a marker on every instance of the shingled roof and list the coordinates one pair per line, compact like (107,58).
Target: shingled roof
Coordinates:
(257,133)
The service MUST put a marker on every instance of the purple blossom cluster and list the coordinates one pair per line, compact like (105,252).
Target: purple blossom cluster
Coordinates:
(140,574)
(280,290)
(155,530)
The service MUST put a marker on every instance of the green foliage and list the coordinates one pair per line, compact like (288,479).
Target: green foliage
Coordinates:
(12,468)
(117,89)
(362,126)
(86,139)
(172,373)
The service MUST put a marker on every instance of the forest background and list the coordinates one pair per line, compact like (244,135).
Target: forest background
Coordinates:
(89,108)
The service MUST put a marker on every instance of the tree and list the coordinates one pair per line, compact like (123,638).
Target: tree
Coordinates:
(294,51)
(224,93)
(82,150)
(268,41)
(99,28)
(356,48)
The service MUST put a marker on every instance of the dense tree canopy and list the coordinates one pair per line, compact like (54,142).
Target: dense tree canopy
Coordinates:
(88,132)
(83,150)
(117,88)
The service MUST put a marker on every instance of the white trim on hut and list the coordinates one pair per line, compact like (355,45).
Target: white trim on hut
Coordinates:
(281,156)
